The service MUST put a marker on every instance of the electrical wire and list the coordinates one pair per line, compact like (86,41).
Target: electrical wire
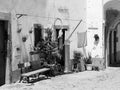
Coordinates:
(70,19)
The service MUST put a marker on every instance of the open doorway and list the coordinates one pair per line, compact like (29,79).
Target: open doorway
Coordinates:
(61,42)
(61,45)
(112,36)
(114,46)
(3,49)
(37,33)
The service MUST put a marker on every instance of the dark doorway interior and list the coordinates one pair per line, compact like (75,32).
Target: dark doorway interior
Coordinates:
(110,48)
(61,46)
(3,50)
(115,46)
(111,35)
(113,40)
(37,33)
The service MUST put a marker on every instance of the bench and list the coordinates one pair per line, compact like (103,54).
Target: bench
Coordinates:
(32,69)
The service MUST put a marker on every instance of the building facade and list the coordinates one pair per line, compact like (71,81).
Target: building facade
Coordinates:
(22,17)
(78,16)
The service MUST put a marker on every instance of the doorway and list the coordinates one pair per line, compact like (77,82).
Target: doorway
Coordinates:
(61,42)
(112,40)
(37,33)
(3,50)
(114,45)
(61,46)
(112,48)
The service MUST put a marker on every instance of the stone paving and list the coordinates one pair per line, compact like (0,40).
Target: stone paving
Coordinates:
(108,79)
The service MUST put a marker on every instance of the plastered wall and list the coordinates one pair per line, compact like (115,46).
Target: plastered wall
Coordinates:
(45,12)
(95,26)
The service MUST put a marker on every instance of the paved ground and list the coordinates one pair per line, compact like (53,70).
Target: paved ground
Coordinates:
(88,80)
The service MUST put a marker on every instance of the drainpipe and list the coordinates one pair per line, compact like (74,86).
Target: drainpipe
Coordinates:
(67,57)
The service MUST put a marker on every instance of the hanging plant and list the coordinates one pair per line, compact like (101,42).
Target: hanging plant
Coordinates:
(24,38)
(30,31)
(19,30)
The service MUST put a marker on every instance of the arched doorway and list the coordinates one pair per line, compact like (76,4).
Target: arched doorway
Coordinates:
(113,43)
(112,32)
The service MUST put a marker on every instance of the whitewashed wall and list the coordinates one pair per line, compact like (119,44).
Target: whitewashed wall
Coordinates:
(95,26)
(45,12)
(77,13)
(36,12)
(42,12)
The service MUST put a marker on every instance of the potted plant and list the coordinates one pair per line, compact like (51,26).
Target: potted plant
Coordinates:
(24,38)
(76,61)
(89,63)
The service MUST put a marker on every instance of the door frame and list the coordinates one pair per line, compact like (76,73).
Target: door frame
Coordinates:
(7,17)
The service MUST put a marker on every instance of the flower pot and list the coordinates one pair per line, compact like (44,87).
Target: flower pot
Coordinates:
(89,67)
(24,39)
(30,31)
(19,30)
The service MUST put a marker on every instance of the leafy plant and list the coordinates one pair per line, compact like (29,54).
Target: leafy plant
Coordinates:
(48,49)
(77,56)
(76,61)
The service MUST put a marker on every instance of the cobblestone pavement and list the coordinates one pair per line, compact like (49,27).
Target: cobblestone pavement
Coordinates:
(88,80)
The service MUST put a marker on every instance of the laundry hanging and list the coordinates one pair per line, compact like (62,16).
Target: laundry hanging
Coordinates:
(82,39)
